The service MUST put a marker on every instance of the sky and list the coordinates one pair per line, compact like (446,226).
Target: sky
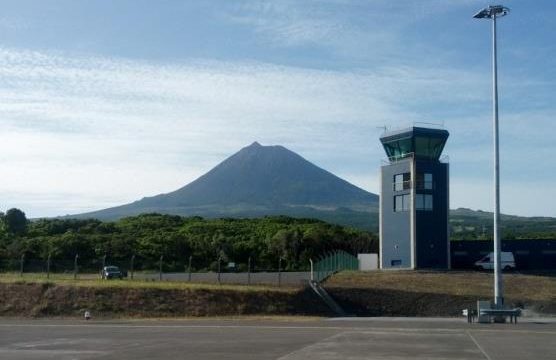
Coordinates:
(105,102)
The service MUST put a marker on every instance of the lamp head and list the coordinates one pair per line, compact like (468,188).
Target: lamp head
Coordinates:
(492,11)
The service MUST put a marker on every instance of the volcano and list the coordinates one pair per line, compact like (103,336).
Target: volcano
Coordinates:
(257,181)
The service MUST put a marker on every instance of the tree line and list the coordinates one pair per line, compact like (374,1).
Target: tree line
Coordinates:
(176,238)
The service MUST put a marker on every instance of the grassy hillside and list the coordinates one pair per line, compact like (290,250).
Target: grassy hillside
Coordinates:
(468,224)
(392,293)
(38,298)
(422,293)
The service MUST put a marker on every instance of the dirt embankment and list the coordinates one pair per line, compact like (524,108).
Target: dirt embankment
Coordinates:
(50,299)
(378,293)
(434,293)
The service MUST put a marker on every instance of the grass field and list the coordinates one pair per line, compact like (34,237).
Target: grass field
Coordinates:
(94,281)
(460,283)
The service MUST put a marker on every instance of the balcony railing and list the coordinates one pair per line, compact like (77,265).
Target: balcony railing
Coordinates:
(419,185)
(392,159)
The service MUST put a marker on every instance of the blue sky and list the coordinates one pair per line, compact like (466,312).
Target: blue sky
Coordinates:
(104,102)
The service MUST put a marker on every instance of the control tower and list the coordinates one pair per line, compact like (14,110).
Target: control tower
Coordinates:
(414,200)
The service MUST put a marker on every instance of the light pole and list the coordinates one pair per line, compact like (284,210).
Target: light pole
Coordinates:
(493,12)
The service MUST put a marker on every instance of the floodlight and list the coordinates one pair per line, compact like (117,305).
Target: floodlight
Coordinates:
(492,11)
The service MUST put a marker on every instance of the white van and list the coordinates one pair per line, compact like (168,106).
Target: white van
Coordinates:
(487,263)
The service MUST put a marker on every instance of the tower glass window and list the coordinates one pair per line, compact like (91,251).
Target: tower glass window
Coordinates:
(419,202)
(398,182)
(428,202)
(399,148)
(398,203)
(423,202)
(402,203)
(427,184)
(424,181)
(429,147)
(402,181)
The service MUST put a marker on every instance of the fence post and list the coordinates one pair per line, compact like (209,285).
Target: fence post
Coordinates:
(21,261)
(218,277)
(312,273)
(344,260)
(48,266)
(160,268)
(279,271)
(75,269)
(131,265)
(249,271)
(189,269)
(327,265)
(103,265)
(317,267)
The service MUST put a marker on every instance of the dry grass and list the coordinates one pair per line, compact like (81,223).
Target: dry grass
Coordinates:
(459,283)
(144,299)
(64,280)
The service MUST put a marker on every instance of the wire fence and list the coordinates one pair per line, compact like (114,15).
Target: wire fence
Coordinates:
(186,270)
(333,262)
(153,269)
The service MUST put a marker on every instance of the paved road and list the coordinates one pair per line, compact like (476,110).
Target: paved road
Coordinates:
(276,339)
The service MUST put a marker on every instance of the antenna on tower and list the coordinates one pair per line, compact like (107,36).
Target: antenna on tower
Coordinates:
(384,128)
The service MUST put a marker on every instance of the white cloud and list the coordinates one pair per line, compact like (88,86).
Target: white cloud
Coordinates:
(352,29)
(85,133)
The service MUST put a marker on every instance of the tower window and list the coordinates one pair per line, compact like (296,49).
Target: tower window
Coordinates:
(423,202)
(419,202)
(428,181)
(424,181)
(402,202)
(402,181)
(428,202)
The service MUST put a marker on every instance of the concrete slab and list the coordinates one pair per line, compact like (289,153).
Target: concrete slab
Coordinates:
(355,345)
(262,339)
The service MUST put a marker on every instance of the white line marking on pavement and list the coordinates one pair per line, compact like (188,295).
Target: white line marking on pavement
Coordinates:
(277,327)
(291,355)
(478,346)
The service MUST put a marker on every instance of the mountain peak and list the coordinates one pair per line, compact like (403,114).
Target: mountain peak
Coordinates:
(260,180)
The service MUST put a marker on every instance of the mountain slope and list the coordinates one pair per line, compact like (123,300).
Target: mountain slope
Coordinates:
(258,180)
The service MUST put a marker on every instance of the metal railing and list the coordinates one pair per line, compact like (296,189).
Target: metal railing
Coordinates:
(410,124)
(410,155)
(402,185)
(331,263)
(419,185)
(396,158)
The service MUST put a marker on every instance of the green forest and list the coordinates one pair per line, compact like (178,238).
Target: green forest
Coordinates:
(176,238)
(208,242)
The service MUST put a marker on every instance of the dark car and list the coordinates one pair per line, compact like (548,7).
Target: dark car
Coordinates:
(112,272)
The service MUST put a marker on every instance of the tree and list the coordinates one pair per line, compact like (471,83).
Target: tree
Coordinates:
(2,224)
(15,221)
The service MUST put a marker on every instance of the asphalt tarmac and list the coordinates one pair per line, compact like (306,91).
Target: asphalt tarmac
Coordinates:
(284,339)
